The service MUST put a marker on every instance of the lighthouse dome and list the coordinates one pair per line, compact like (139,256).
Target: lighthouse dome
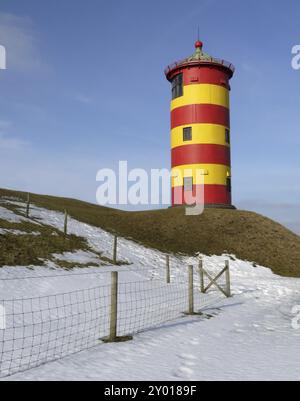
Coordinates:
(199,57)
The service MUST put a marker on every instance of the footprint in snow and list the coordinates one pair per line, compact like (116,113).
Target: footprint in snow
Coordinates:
(185,373)
(189,357)
(188,360)
(194,341)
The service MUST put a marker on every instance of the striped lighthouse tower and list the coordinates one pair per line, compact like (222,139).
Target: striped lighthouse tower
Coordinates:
(200,129)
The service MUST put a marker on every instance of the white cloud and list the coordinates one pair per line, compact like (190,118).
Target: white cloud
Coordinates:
(8,142)
(18,37)
(54,173)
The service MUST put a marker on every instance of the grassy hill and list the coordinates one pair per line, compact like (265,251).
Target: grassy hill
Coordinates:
(247,235)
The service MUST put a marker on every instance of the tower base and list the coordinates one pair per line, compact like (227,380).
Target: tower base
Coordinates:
(219,206)
(210,206)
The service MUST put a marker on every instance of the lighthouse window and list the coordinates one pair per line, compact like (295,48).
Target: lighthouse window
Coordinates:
(188,184)
(187,134)
(177,86)
(227,136)
(228,183)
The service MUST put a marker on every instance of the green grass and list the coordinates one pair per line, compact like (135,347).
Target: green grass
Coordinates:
(71,265)
(247,235)
(25,250)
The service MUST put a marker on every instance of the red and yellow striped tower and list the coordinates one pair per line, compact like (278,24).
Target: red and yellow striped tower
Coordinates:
(200,128)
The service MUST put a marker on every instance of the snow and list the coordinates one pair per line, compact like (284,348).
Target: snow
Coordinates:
(81,257)
(8,215)
(250,338)
(4,231)
(247,337)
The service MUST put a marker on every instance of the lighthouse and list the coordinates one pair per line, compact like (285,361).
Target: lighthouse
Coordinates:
(200,130)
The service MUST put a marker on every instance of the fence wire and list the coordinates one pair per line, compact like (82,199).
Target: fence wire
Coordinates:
(43,329)
(46,328)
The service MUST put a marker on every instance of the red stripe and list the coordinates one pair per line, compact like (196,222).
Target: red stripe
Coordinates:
(205,75)
(215,75)
(200,114)
(213,194)
(200,154)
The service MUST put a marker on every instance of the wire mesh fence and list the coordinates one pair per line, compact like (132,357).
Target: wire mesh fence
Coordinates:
(45,328)
(42,329)
(148,304)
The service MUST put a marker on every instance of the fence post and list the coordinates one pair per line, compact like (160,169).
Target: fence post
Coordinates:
(114,306)
(227,275)
(191,290)
(28,205)
(201,276)
(66,223)
(114,312)
(115,250)
(168,273)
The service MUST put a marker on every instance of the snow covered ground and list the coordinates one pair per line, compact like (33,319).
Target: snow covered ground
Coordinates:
(248,337)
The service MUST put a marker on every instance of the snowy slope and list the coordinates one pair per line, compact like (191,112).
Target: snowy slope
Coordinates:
(249,336)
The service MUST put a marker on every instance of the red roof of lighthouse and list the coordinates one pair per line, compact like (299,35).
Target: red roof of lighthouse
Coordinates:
(199,58)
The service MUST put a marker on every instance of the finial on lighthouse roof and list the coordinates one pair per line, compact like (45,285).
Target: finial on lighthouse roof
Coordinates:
(198,44)
(199,57)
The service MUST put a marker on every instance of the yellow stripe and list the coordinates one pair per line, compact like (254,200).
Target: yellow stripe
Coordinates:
(213,174)
(201,133)
(202,94)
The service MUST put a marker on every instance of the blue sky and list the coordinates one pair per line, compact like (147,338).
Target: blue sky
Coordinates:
(85,88)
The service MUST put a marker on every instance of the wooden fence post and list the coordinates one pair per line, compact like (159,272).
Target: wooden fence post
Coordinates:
(191,291)
(114,306)
(201,276)
(168,273)
(114,312)
(227,275)
(28,205)
(66,223)
(115,250)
